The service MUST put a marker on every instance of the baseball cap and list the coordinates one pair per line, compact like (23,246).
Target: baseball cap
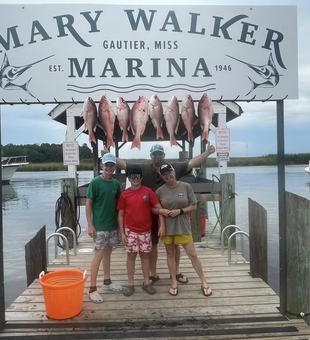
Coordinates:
(166,167)
(108,157)
(157,148)
(135,169)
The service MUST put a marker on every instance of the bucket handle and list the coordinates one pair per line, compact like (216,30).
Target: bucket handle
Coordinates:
(41,274)
(84,274)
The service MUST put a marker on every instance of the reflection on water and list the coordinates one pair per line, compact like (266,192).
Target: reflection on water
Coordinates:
(8,194)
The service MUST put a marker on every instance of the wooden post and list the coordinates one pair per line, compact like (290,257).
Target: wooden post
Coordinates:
(227,205)
(258,240)
(35,256)
(298,256)
(2,303)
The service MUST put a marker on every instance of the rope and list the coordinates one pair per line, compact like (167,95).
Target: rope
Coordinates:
(63,209)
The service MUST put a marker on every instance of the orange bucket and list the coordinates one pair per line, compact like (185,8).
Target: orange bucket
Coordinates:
(63,292)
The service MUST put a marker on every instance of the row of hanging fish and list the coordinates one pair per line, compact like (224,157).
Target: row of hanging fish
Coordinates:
(137,117)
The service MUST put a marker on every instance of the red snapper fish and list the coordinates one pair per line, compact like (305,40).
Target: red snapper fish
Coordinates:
(156,114)
(107,119)
(138,120)
(89,114)
(188,115)
(172,118)
(122,112)
(205,114)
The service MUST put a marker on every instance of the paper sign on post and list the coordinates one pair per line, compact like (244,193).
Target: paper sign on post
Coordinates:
(71,153)
(222,140)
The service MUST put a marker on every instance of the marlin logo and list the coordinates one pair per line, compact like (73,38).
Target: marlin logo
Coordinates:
(268,72)
(9,73)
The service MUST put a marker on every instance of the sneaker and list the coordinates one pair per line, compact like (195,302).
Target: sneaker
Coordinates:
(95,297)
(112,286)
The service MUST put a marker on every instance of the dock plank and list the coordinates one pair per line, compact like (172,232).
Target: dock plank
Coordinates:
(241,307)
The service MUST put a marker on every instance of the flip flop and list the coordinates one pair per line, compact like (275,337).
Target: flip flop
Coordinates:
(180,276)
(154,278)
(175,290)
(206,288)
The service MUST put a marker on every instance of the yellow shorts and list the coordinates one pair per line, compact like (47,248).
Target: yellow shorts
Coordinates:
(176,239)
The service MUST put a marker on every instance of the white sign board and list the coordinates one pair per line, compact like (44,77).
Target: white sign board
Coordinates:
(65,52)
(222,156)
(222,140)
(71,153)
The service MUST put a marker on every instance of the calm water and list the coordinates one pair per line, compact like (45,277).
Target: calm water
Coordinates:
(29,203)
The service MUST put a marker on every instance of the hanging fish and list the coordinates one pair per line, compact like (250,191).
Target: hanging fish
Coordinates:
(205,114)
(188,115)
(89,115)
(107,119)
(172,118)
(122,112)
(156,114)
(138,120)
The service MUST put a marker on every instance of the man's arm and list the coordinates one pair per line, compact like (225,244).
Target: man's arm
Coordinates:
(120,163)
(196,161)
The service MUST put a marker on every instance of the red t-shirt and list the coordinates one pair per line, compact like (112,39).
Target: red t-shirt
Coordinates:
(137,206)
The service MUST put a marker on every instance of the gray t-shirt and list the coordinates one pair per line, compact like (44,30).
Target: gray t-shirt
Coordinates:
(178,197)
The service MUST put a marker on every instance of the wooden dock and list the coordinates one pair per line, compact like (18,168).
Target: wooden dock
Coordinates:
(240,307)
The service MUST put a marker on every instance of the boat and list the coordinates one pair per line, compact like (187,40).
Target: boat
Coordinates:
(9,165)
(307,168)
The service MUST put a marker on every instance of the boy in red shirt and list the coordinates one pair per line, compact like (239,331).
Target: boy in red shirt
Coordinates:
(135,221)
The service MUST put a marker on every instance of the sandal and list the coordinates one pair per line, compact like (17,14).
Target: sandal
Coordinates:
(180,276)
(95,297)
(154,278)
(128,290)
(206,288)
(176,291)
(149,288)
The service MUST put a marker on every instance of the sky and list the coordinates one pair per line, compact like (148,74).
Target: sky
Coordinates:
(253,134)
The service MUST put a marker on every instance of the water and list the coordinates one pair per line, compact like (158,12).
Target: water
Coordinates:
(29,203)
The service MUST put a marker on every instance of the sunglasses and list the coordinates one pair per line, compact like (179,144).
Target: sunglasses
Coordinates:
(157,154)
(135,176)
(157,148)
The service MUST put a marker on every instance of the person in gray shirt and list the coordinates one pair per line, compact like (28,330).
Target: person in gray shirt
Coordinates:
(178,200)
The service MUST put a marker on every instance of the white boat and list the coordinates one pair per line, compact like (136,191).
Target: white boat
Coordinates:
(307,169)
(9,165)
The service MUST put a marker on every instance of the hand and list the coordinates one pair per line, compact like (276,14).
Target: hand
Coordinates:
(104,151)
(165,212)
(174,213)
(92,231)
(161,231)
(210,148)
(124,238)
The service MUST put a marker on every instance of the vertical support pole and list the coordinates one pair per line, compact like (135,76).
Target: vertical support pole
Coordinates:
(2,303)
(70,137)
(222,165)
(282,205)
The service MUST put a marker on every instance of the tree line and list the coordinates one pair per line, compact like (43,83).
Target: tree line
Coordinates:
(42,153)
(46,153)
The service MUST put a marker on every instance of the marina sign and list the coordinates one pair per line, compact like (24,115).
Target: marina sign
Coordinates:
(64,53)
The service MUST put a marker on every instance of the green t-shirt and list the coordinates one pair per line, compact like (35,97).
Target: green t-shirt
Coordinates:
(104,195)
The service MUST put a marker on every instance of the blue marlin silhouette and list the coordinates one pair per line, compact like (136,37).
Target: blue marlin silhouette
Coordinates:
(268,72)
(8,73)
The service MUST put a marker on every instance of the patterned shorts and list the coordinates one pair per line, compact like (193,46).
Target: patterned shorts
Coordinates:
(138,242)
(106,239)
